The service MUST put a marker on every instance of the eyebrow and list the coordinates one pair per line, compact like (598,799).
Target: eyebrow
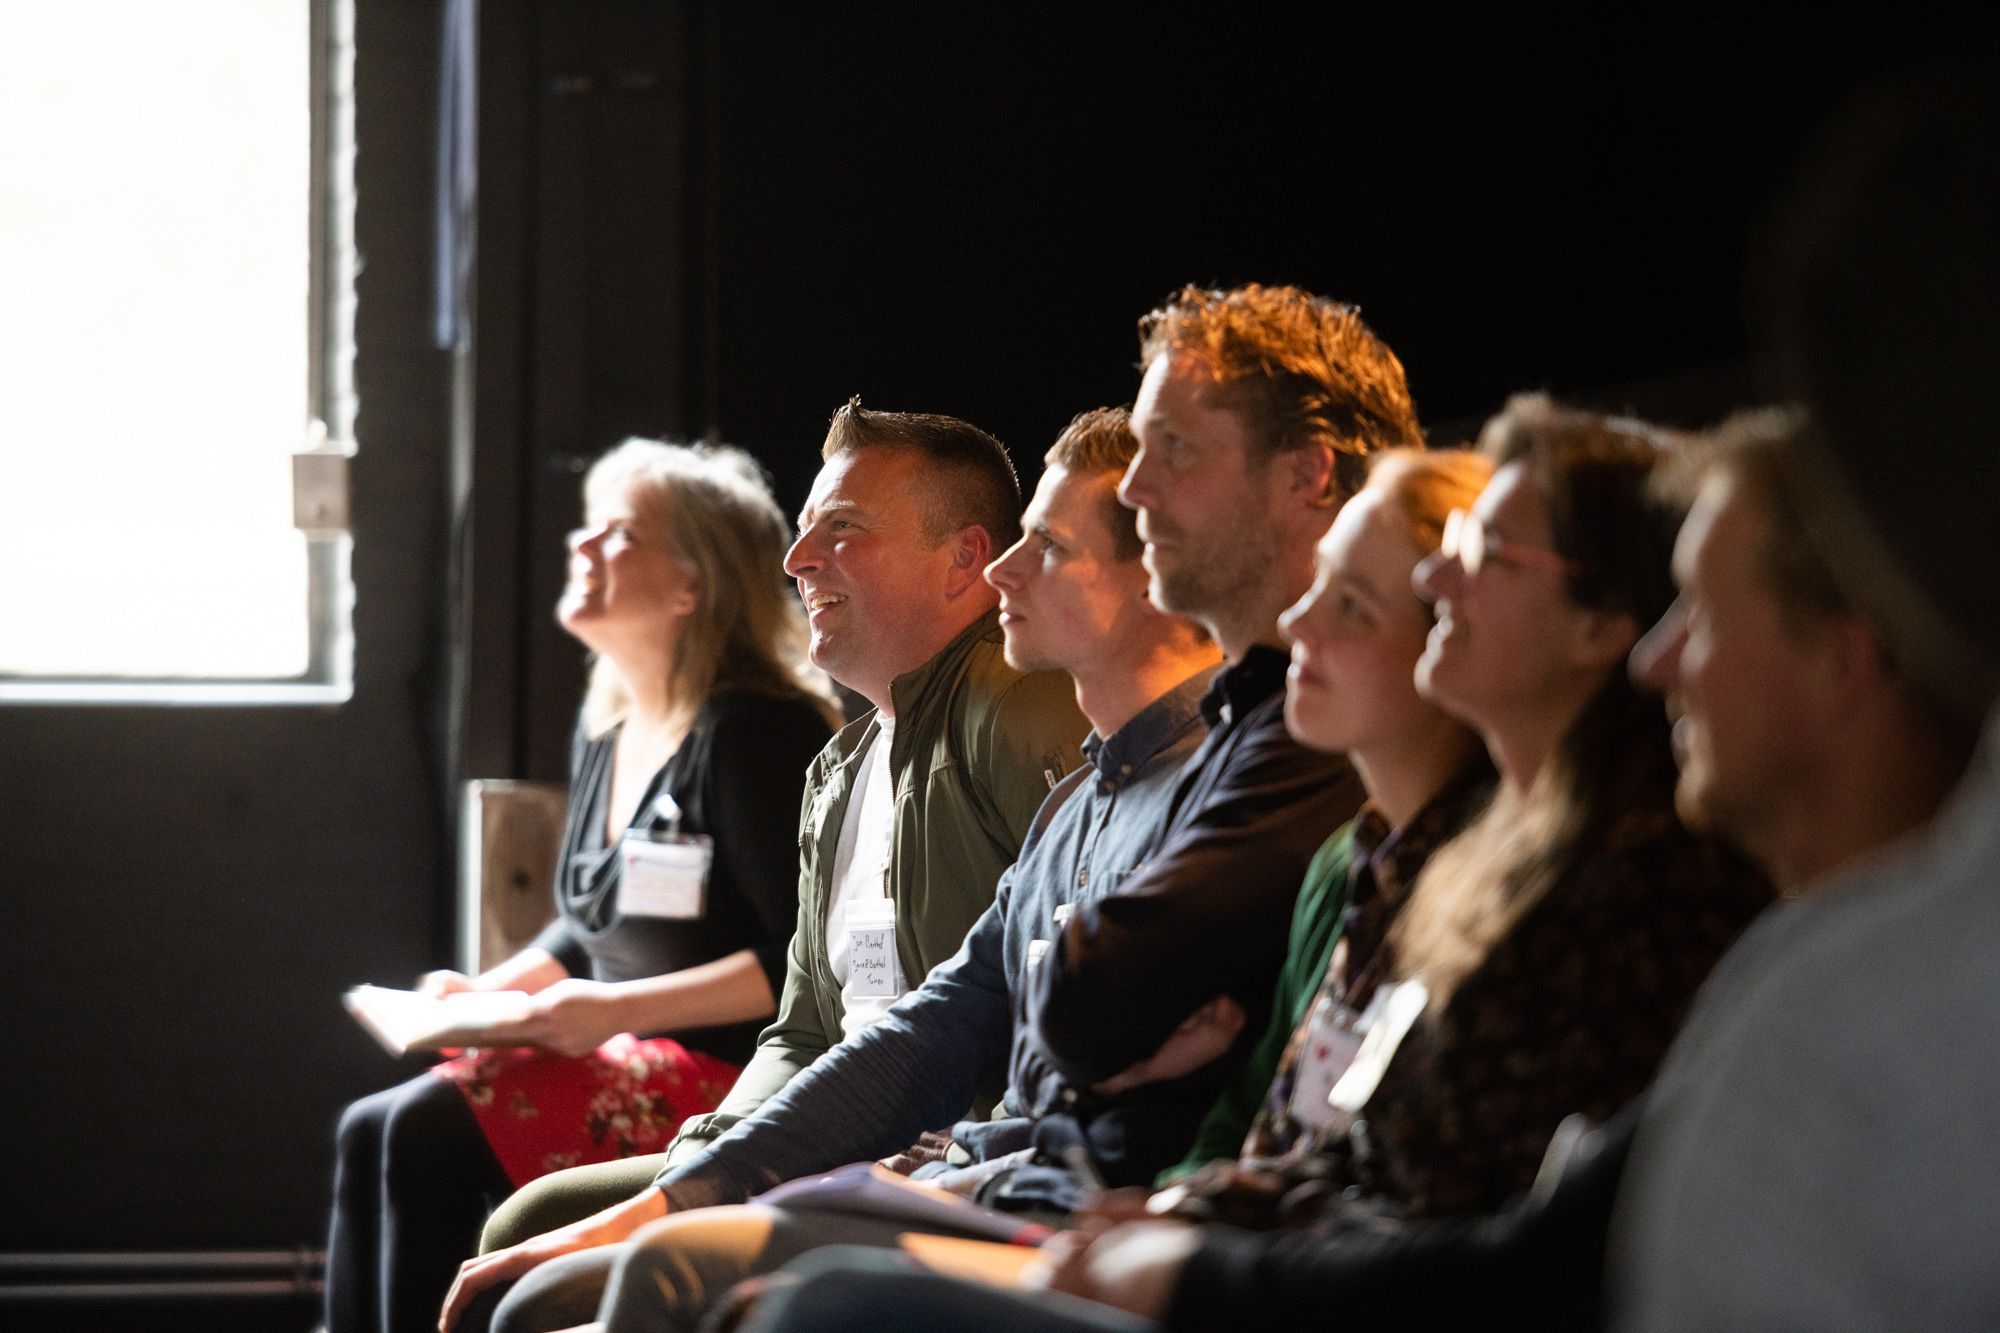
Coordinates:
(1360,584)
(808,514)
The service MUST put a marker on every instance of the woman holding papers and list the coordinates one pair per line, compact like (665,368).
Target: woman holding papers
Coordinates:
(676,887)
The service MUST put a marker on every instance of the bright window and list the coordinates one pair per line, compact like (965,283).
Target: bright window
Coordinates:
(172,222)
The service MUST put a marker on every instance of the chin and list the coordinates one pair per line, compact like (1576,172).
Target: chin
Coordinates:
(1178,596)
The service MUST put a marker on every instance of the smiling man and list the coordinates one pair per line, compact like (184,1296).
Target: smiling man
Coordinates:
(911,813)
(1073,598)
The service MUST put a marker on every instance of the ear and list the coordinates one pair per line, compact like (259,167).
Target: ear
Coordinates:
(1308,474)
(1601,640)
(688,598)
(1854,663)
(971,552)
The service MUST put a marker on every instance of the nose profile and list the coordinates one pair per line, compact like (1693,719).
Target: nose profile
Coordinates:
(1655,663)
(1436,577)
(1294,616)
(803,557)
(1000,574)
(1133,488)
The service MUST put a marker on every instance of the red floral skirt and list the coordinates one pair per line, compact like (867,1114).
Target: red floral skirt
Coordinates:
(542,1112)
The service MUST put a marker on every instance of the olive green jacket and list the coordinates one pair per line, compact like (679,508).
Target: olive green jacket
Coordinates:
(977,746)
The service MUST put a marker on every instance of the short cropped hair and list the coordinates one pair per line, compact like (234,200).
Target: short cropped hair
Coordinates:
(1101,440)
(969,479)
(1300,368)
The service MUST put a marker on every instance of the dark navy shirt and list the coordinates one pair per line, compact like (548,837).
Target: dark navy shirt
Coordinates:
(1208,914)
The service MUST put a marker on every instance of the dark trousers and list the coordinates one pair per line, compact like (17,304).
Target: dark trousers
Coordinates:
(413,1181)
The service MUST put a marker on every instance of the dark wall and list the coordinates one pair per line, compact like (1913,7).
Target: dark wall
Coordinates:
(965,209)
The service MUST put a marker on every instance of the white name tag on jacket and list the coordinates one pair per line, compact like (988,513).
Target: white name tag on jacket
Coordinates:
(871,947)
(1333,1034)
(664,875)
(1396,1010)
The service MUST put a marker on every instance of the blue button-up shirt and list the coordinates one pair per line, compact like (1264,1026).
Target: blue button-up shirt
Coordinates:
(924,1064)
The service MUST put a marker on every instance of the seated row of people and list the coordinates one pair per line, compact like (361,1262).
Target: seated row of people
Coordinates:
(1447,834)
(1804,740)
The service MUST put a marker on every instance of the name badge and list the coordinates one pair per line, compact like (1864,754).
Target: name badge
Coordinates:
(664,875)
(1391,1015)
(871,947)
(1333,1035)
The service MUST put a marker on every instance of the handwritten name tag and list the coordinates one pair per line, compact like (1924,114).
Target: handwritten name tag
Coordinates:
(871,948)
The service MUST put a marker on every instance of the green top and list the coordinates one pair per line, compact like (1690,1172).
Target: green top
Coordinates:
(977,746)
(1315,926)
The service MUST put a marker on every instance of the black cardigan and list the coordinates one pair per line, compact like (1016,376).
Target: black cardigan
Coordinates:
(738,777)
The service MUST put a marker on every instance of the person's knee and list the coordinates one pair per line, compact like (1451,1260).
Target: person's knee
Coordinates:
(559,1294)
(563,1197)
(676,1268)
(358,1137)
(425,1132)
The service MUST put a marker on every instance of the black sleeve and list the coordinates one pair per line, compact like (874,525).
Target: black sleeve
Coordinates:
(1208,914)
(1537,1265)
(758,756)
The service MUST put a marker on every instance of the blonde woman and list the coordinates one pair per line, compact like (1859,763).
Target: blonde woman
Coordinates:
(676,889)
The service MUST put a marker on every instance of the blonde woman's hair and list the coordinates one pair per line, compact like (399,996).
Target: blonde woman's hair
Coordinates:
(1423,486)
(712,505)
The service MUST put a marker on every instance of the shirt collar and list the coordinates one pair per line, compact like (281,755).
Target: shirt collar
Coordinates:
(1241,686)
(1395,857)
(1152,729)
(913,689)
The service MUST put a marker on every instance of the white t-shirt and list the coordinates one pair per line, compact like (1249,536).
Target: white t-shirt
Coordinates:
(861,874)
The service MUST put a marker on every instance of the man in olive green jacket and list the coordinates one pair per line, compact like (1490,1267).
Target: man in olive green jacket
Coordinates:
(905,515)
(975,748)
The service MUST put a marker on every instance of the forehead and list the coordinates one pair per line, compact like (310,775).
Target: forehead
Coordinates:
(1513,504)
(1180,393)
(1365,537)
(1069,501)
(1718,541)
(874,479)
